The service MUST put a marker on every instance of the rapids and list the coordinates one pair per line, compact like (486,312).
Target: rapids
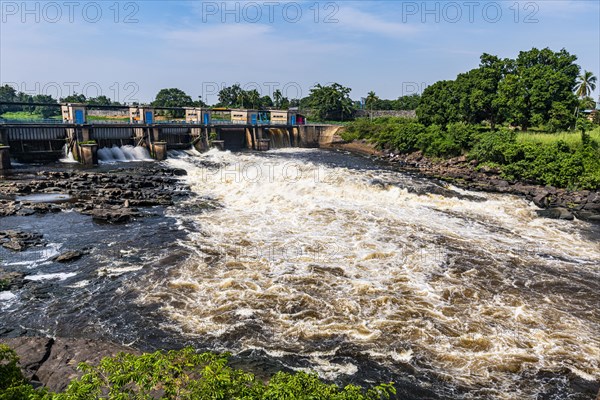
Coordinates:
(319,260)
(335,260)
(123,154)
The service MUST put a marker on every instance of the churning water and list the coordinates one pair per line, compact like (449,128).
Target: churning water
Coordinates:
(124,153)
(331,259)
(330,262)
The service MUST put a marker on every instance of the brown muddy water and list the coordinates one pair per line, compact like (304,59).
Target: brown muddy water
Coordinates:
(329,262)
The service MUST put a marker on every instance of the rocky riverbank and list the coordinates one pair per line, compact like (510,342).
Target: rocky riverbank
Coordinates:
(114,196)
(53,362)
(110,196)
(554,202)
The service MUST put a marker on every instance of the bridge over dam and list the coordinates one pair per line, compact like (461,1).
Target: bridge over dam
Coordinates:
(50,140)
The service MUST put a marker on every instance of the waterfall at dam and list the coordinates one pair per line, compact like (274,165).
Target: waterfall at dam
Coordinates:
(68,157)
(125,153)
(280,138)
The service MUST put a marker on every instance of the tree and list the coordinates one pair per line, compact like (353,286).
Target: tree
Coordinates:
(439,104)
(331,102)
(230,96)
(200,102)
(173,98)
(46,111)
(370,100)
(587,103)
(584,125)
(409,102)
(481,95)
(586,84)
(277,98)
(8,94)
(534,82)
(265,102)
(253,98)
(102,101)
(74,98)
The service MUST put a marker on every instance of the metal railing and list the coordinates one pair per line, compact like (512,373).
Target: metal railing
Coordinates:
(30,121)
(160,122)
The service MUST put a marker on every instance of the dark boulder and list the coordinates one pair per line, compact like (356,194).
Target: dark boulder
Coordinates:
(556,213)
(68,256)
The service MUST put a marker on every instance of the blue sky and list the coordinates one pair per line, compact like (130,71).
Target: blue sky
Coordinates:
(129,50)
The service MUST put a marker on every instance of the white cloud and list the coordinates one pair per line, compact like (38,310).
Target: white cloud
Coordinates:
(360,21)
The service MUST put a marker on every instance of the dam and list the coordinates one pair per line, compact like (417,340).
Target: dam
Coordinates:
(202,129)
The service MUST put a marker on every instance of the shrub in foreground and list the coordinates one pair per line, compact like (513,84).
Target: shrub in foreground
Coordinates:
(182,374)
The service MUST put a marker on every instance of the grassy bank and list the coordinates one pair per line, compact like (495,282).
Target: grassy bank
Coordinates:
(98,118)
(25,115)
(563,159)
(571,138)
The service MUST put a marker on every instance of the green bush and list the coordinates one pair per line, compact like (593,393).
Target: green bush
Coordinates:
(489,146)
(182,374)
(13,385)
(572,163)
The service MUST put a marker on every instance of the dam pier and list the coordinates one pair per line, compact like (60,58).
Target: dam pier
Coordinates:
(82,137)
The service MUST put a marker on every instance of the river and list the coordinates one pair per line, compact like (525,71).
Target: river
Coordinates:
(330,262)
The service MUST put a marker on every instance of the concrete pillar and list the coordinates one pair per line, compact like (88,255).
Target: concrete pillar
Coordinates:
(86,134)
(88,154)
(156,134)
(264,144)
(159,151)
(206,138)
(4,157)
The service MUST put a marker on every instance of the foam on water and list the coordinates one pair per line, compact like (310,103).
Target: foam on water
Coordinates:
(61,276)
(37,256)
(7,296)
(68,157)
(305,256)
(126,153)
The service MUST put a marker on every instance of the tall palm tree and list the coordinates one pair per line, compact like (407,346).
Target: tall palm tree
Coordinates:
(277,97)
(371,99)
(586,84)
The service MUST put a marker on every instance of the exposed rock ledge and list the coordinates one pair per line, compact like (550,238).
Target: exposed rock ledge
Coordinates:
(53,362)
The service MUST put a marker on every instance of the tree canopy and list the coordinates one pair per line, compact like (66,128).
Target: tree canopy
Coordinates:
(331,102)
(534,89)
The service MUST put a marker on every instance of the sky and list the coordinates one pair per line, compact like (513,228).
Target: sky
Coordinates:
(129,50)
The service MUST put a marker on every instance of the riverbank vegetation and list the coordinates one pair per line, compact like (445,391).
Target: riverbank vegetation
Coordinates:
(563,159)
(523,116)
(182,374)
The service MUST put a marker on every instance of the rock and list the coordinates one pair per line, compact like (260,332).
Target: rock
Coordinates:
(594,197)
(24,212)
(540,198)
(592,207)
(499,183)
(588,215)
(556,213)
(11,280)
(53,362)
(68,256)
(19,240)
(119,216)
(14,245)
